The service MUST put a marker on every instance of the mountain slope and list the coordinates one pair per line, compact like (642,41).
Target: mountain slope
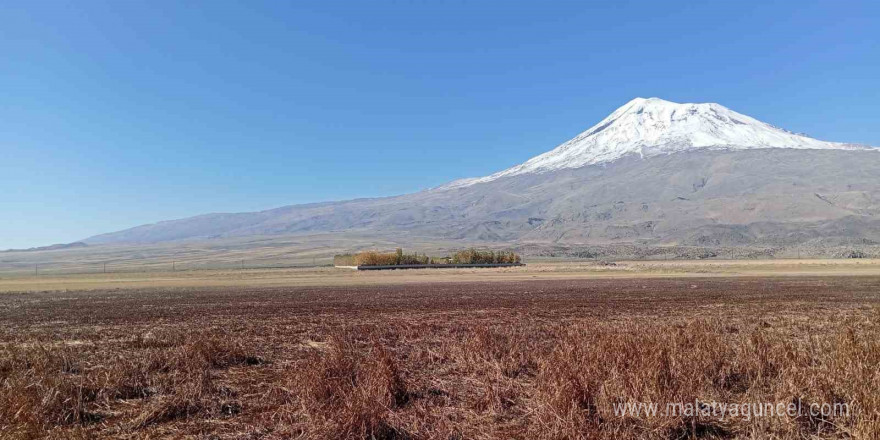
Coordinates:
(653,171)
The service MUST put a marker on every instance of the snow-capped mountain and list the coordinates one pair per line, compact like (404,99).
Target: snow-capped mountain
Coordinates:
(652,127)
(681,174)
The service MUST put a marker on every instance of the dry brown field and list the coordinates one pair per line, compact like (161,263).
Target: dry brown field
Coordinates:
(543,352)
(534,270)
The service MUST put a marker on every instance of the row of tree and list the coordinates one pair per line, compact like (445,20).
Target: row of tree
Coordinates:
(397,258)
(473,256)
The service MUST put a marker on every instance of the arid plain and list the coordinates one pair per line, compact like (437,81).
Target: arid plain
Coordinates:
(548,351)
(541,269)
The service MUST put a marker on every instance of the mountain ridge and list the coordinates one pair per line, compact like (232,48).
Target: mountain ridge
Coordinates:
(664,193)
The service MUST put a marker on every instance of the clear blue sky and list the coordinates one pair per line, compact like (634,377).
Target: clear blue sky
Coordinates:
(119,113)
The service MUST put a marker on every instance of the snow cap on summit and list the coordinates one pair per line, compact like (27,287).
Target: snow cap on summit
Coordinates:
(653,126)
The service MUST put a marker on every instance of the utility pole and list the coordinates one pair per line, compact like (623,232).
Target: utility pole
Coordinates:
(172,266)
(105,267)
(36,270)
(242,264)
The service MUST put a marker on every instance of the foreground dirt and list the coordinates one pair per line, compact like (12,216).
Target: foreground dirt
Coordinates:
(544,359)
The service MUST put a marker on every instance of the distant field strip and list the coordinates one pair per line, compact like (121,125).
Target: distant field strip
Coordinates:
(330,276)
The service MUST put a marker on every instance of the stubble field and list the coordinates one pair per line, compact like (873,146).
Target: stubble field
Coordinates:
(541,359)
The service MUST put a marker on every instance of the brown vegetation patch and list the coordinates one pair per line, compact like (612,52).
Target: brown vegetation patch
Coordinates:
(539,360)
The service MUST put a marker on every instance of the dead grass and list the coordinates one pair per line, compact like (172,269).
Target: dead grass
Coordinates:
(47,387)
(479,361)
(592,369)
(350,393)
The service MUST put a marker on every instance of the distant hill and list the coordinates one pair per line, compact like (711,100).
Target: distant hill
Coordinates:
(77,244)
